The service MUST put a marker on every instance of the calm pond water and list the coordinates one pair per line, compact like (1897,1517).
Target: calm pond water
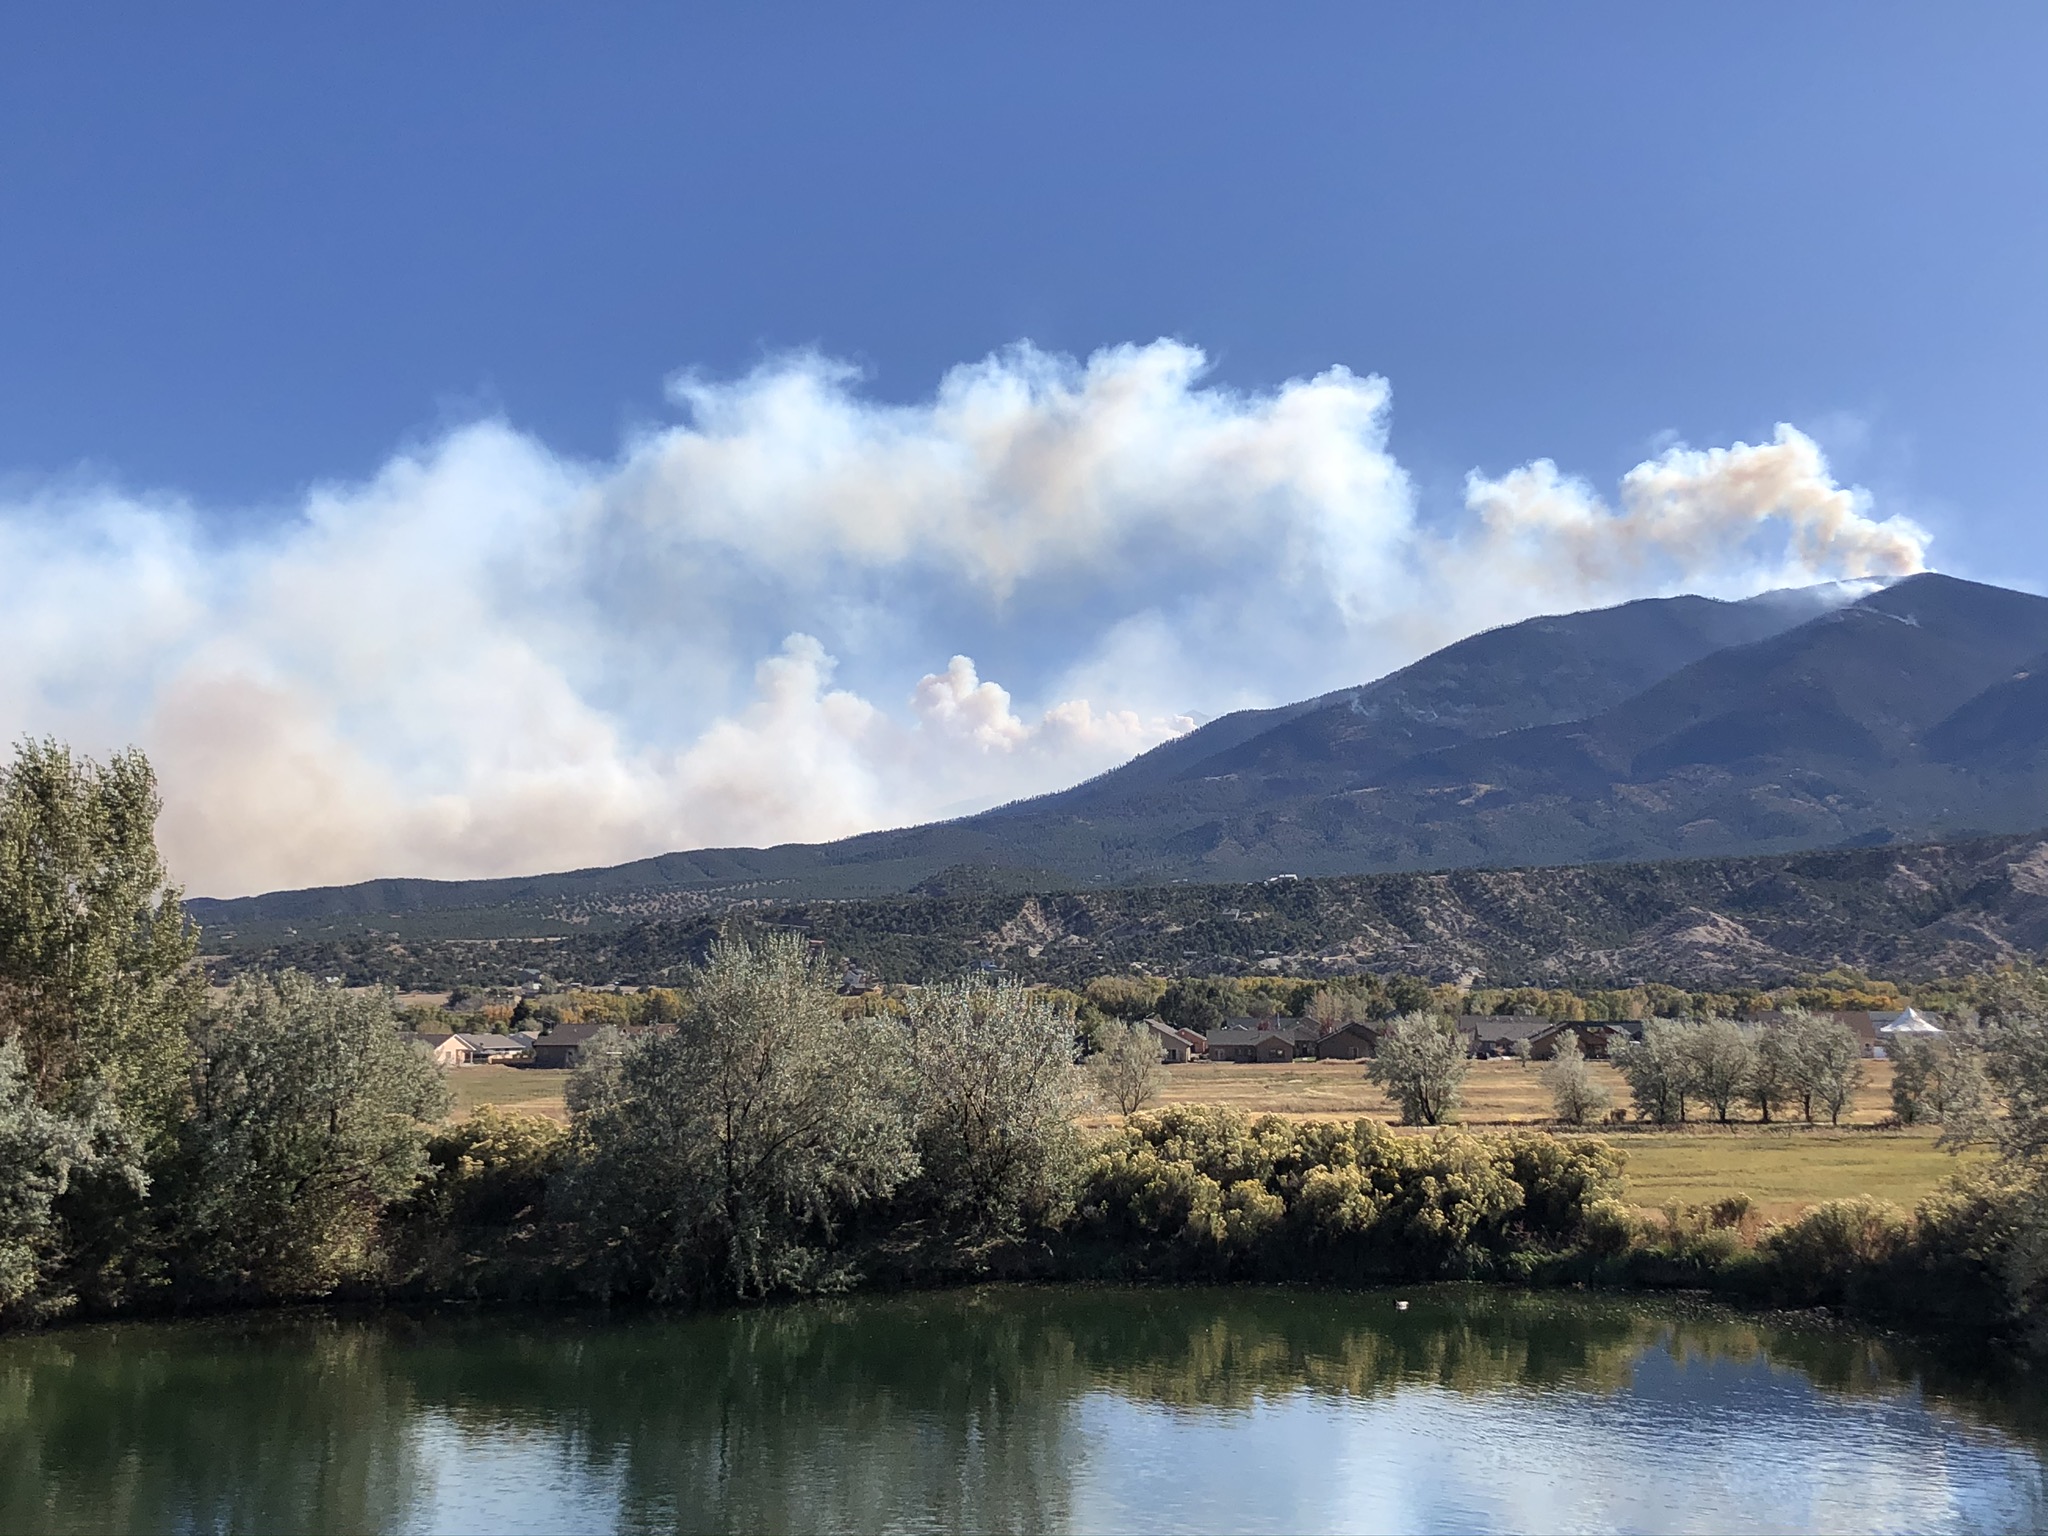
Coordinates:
(1014,1409)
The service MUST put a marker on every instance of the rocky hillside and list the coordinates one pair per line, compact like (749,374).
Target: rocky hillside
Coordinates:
(1912,912)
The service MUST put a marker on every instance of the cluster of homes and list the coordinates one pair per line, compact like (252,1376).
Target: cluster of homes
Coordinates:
(1485,1035)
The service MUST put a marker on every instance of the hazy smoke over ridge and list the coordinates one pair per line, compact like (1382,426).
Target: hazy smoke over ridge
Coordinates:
(757,626)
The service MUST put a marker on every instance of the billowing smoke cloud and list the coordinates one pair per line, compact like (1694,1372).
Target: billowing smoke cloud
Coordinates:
(770,622)
(1770,512)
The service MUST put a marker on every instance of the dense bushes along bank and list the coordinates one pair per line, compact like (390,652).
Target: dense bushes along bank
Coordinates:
(1205,1194)
(283,1143)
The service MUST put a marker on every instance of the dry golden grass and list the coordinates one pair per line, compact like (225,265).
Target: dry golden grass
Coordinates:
(1496,1092)
(1783,1169)
(535,1090)
(1784,1172)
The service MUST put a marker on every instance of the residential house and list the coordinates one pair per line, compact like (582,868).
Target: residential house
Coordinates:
(1247,1039)
(1245,1042)
(464,1050)
(1598,1038)
(1497,1034)
(1173,1046)
(1349,1042)
(560,1046)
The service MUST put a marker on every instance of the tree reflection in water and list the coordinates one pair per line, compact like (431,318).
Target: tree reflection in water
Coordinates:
(940,1411)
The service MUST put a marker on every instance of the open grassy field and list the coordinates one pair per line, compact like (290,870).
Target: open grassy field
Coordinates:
(1784,1169)
(534,1090)
(1784,1172)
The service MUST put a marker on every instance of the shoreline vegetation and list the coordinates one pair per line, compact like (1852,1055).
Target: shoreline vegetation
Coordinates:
(163,1149)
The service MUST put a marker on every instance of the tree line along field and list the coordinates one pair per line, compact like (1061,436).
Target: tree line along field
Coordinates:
(1784,1168)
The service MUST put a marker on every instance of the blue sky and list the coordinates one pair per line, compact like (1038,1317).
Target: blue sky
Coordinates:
(253,252)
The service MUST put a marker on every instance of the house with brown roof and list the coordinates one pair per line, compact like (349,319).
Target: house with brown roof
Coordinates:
(1242,1043)
(560,1046)
(1174,1044)
(1349,1042)
(1248,1039)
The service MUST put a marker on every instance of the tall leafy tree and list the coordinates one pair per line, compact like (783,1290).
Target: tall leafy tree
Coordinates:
(1938,1080)
(1830,1064)
(39,1153)
(1723,1064)
(993,1092)
(2015,1059)
(310,1118)
(1421,1064)
(719,1161)
(96,991)
(1774,1068)
(95,977)
(1196,1003)
(1659,1071)
(1574,1095)
(1127,1070)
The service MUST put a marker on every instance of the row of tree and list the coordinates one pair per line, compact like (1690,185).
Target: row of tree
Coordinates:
(1805,1062)
(1203,1002)
(1808,1060)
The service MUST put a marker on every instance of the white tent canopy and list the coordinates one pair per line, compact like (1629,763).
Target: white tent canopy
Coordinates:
(1911,1022)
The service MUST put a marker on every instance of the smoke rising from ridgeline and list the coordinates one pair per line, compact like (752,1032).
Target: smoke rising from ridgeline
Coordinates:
(771,622)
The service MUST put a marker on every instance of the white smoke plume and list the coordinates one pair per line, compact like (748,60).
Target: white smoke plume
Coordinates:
(492,659)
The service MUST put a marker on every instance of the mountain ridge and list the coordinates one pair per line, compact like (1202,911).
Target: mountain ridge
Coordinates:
(1911,913)
(1656,729)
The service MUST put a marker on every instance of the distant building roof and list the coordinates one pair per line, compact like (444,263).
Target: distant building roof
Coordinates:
(1358,1027)
(1506,1027)
(569,1034)
(1285,1025)
(490,1043)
